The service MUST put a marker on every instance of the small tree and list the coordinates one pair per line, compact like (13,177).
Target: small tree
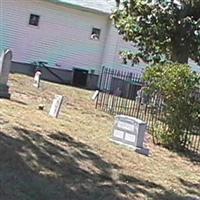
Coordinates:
(161,29)
(177,84)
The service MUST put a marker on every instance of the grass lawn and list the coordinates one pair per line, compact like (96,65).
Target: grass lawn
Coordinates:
(72,158)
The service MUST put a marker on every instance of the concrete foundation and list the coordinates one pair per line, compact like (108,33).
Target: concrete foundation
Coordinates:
(55,75)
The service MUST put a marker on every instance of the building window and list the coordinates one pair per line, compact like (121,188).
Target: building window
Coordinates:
(34,20)
(95,35)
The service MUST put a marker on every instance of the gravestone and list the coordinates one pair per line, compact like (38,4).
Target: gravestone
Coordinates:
(95,95)
(130,131)
(37,79)
(5,64)
(56,105)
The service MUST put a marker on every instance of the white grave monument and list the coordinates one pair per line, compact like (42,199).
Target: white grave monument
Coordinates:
(95,95)
(37,79)
(5,64)
(56,105)
(131,132)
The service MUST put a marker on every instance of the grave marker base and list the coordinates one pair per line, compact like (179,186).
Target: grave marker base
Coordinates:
(143,151)
(4,91)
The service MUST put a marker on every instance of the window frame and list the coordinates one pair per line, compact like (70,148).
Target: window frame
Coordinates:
(99,34)
(38,20)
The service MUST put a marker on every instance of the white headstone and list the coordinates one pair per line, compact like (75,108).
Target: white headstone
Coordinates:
(95,95)
(37,79)
(5,64)
(56,105)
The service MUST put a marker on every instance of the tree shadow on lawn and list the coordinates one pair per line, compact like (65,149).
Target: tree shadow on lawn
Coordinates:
(192,188)
(192,156)
(18,102)
(57,167)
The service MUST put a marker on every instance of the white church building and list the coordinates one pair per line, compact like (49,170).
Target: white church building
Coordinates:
(75,37)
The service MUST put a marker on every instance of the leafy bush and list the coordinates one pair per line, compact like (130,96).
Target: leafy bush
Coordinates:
(179,87)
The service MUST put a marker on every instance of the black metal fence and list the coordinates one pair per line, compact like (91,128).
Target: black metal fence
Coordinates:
(122,92)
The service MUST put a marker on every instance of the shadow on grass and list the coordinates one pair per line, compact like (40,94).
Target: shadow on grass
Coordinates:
(190,187)
(19,102)
(190,155)
(194,157)
(57,167)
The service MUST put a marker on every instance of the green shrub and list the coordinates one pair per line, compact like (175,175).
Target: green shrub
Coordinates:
(177,84)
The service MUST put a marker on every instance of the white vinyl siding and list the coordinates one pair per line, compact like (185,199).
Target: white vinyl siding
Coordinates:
(62,37)
(114,45)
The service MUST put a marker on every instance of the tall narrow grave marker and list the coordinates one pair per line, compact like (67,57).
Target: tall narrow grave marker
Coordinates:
(37,79)
(5,64)
(56,105)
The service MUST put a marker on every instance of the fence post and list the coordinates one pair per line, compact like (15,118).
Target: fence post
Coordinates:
(99,86)
(101,77)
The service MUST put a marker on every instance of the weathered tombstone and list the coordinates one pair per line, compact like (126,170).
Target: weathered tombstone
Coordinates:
(56,105)
(95,95)
(5,64)
(131,132)
(37,79)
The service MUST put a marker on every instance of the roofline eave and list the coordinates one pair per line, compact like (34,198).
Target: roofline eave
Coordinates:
(78,7)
